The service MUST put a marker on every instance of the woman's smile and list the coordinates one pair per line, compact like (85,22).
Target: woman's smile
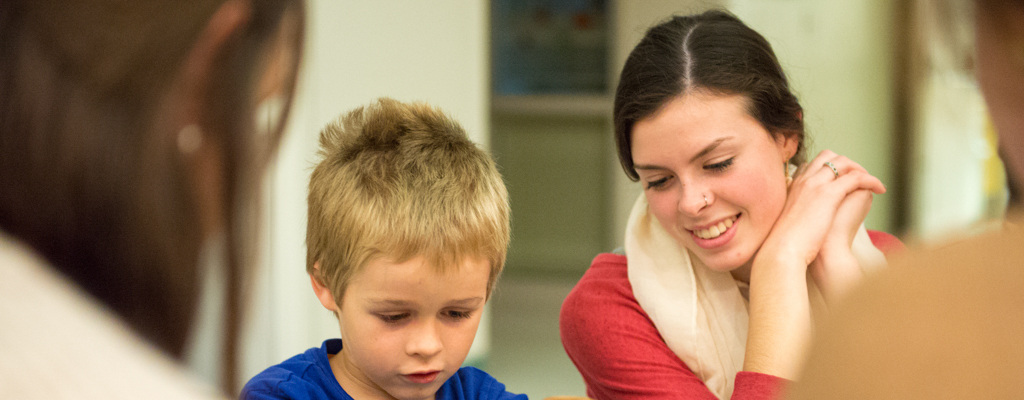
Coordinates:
(716,235)
(714,230)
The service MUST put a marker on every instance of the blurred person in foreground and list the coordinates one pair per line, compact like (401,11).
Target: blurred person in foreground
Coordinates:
(132,135)
(947,324)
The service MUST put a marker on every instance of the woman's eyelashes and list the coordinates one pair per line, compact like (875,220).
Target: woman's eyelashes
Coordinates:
(720,166)
(715,167)
(657,183)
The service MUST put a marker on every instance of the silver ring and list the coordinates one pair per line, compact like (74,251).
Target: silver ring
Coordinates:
(705,200)
(833,168)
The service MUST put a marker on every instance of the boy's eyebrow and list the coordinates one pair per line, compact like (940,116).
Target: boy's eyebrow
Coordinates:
(703,152)
(390,302)
(469,301)
(404,303)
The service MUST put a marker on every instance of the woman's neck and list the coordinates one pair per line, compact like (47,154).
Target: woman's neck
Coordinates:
(742,273)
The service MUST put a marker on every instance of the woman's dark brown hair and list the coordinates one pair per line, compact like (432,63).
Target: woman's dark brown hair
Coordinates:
(91,176)
(713,52)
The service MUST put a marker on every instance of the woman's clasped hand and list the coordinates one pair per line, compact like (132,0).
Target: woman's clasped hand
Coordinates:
(829,197)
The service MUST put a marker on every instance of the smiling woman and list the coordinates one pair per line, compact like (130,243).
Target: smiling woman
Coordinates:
(712,299)
(703,161)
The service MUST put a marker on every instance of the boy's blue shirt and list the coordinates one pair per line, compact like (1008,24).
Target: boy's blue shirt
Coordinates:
(308,376)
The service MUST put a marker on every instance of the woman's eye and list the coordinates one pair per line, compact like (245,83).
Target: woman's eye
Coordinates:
(720,166)
(657,183)
(457,314)
(393,318)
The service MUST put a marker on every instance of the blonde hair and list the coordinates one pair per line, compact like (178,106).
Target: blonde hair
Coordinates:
(401,180)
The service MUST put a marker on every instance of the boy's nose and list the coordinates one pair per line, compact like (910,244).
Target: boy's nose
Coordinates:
(425,341)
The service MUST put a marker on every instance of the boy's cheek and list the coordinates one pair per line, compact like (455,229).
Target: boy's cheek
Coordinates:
(466,334)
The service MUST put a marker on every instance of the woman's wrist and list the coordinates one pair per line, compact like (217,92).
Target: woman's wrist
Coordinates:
(775,255)
(835,273)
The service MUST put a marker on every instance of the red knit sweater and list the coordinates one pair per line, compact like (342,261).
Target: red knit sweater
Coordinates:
(620,353)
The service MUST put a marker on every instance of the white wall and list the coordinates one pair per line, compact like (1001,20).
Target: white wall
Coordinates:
(949,160)
(957,178)
(356,51)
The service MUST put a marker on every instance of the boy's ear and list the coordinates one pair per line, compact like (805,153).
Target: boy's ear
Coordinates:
(322,292)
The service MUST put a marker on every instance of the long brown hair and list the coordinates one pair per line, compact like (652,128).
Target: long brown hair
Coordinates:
(91,176)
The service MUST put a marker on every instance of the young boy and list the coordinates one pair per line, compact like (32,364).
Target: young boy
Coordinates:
(407,234)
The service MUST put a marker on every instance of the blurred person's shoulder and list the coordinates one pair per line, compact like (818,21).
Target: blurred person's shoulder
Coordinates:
(59,343)
(941,323)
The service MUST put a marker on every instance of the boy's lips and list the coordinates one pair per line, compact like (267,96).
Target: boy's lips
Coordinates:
(422,377)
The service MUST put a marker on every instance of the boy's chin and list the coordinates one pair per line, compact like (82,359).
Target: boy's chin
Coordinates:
(426,392)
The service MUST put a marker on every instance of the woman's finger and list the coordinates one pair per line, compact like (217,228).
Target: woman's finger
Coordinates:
(857,180)
(829,166)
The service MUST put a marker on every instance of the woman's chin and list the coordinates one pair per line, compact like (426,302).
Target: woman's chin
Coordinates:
(722,266)
(723,263)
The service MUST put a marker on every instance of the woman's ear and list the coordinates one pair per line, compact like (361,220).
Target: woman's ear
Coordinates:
(198,68)
(187,104)
(787,145)
(322,292)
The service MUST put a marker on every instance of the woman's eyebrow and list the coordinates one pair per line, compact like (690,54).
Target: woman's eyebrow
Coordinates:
(647,167)
(709,148)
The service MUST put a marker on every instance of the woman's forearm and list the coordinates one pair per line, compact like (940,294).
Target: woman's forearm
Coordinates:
(780,322)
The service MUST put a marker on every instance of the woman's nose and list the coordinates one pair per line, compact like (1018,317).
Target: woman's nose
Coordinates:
(692,200)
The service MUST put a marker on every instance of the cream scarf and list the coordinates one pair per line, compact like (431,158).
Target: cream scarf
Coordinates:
(699,312)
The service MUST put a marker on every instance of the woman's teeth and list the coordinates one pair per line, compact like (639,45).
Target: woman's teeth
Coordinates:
(715,230)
